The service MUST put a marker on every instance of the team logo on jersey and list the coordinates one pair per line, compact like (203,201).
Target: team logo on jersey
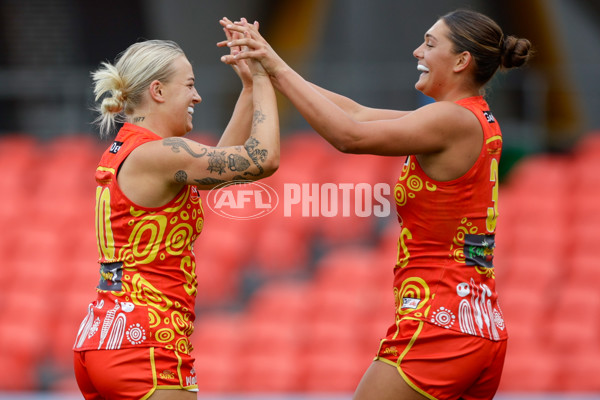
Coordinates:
(479,250)
(167,374)
(110,276)
(490,118)
(410,302)
(115,147)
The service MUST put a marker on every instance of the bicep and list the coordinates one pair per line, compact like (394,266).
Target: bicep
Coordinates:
(427,130)
(357,111)
(366,114)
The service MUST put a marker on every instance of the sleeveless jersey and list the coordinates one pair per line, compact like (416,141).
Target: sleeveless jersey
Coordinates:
(147,289)
(444,273)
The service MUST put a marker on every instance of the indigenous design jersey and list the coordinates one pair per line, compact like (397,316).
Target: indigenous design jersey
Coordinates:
(147,287)
(445,273)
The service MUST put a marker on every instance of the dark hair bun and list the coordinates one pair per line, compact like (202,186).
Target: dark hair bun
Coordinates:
(515,52)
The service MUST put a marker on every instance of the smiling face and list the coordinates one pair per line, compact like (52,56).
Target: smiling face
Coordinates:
(180,97)
(436,60)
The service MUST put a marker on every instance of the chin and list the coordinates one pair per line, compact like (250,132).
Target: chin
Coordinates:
(420,87)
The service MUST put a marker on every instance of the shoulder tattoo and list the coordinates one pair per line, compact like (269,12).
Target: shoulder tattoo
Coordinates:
(181,176)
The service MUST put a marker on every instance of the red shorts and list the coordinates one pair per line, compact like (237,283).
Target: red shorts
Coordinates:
(132,373)
(443,364)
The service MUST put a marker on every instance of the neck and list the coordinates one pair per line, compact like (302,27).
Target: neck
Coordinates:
(458,94)
(145,120)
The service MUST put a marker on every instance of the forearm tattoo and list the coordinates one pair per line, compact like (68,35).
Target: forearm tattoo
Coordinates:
(256,154)
(177,144)
(257,118)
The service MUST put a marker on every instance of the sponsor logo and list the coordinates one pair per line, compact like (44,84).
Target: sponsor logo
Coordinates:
(490,118)
(115,147)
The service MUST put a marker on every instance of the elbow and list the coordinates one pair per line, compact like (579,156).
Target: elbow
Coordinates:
(346,140)
(347,146)
(343,147)
(271,166)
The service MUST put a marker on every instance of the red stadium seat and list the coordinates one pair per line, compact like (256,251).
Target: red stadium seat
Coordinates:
(280,251)
(579,371)
(270,352)
(533,371)
(333,371)
(216,349)
(288,302)
(573,326)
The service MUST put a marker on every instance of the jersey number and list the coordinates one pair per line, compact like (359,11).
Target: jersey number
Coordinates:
(106,240)
(492,212)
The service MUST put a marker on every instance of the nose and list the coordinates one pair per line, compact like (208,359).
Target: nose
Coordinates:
(196,99)
(418,52)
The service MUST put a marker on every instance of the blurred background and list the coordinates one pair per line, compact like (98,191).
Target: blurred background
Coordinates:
(294,307)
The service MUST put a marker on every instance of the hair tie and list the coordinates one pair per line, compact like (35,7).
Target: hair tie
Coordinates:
(502,43)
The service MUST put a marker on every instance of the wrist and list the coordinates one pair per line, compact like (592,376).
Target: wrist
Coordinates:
(276,73)
(279,75)
(260,76)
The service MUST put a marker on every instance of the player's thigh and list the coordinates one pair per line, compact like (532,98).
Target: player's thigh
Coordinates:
(164,394)
(382,381)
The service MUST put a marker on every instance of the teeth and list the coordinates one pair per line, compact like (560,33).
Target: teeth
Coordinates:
(191,110)
(422,68)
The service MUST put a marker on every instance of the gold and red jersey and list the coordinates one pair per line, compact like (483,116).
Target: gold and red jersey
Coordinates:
(147,288)
(444,273)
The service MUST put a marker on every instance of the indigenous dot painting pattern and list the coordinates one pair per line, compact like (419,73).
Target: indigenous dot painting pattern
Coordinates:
(444,274)
(147,286)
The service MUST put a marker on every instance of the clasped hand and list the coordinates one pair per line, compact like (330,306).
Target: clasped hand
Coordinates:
(246,43)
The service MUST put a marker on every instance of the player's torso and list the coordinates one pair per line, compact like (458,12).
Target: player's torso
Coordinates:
(444,272)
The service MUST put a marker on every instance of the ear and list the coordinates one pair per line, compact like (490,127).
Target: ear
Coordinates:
(156,91)
(463,61)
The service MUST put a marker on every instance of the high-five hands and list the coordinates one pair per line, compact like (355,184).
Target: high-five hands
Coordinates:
(239,66)
(249,45)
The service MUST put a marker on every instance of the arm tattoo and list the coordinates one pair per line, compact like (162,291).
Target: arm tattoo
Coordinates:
(257,155)
(235,162)
(209,181)
(177,144)
(217,161)
(181,176)
(214,181)
(257,118)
